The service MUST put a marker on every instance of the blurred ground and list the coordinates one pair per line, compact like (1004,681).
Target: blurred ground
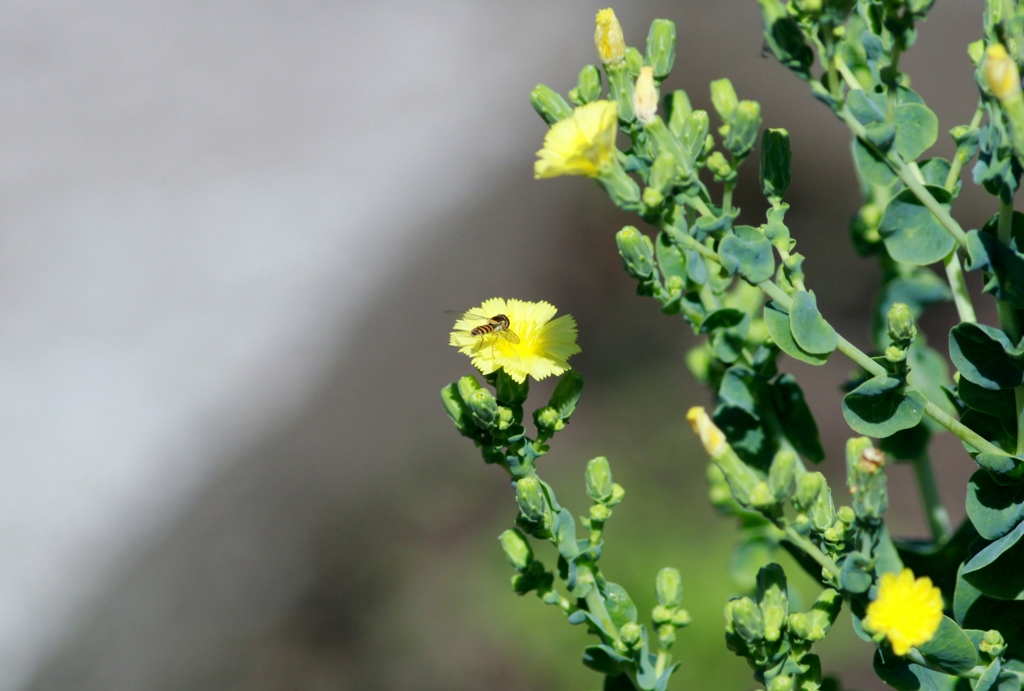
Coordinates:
(228,235)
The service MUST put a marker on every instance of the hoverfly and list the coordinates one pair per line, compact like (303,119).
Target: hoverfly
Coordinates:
(497,325)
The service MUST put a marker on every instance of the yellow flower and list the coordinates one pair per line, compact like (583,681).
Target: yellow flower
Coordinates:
(611,44)
(537,345)
(907,610)
(580,145)
(1001,73)
(710,436)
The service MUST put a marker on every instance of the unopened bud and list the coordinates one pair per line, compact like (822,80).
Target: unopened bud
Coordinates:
(782,475)
(1001,73)
(695,133)
(807,491)
(663,173)
(549,104)
(637,252)
(782,682)
(611,44)
(669,586)
(992,644)
(645,96)
(723,97)
(600,512)
(599,479)
(901,324)
(618,494)
(774,602)
(588,86)
(775,163)
(661,47)
(678,108)
(630,633)
(710,436)
(547,418)
(530,497)
(483,408)
(719,165)
(567,394)
(457,410)
(743,130)
(516,548)
(746,617)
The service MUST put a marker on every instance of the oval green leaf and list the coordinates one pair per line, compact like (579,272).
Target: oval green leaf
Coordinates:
(777,321)
(882,406)
(982,354)
(810,330)
(917,128)
(911,233)
(994,509)
(950,649)
(749,253)
(998,570)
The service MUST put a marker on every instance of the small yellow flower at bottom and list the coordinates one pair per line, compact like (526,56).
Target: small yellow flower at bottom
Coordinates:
(580,145)
(907,610)
(539,345)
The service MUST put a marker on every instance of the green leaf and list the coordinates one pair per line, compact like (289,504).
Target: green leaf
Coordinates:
(882,406)
(999,403)
(747,435)
(905,676)
(907,444)
(777,321)
(604,659)
(940,562)
(856,576)
(998,570)
(784,38)
(871,166)
(974,610)
(982,354)
(728,343)
(724,318)
(935,171)
(994,509)
(671,260)
(810,330)
(1007,267)
(917,128)
(911,233)
(950,649)
(866,107)
(748,253)
(620,607)
(797,420)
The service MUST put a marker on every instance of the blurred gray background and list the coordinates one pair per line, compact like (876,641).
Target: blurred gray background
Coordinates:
(228,231)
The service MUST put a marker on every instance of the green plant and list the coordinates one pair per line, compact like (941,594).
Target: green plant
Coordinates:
(944,614)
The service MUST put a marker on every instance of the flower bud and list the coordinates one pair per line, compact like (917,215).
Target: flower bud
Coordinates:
(761,496)
(718,165)
(866,479)
(723,97)
(669,586)
(992,644)
(549,104)
(822,615)
(600,512)
(530,497)
(457,410)
(846,515)
(1001,73)
(611,44)
(637,253)
(695,133)
(976,51)
(678,108)
(567,394)
(599,479)
(516,548)
(775,164)
(661,47)
(663,173)
(681,618)
(746,619)
(630,633)
(774,602)
(634,61)
(710,436)
(807,491)
(782,475)
(744,128)
(782,682)
(901,324)
(483,408)
(618,494)
(588,85)
(661,615)
(645,96)
(547,418)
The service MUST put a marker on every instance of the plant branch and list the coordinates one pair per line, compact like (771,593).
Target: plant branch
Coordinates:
(934,509)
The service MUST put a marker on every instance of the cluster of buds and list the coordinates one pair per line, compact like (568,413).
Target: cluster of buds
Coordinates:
(866,478)
(602,491)
(902,332)
(668,615)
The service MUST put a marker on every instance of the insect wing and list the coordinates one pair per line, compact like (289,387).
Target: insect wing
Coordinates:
(509,336)
(473,315)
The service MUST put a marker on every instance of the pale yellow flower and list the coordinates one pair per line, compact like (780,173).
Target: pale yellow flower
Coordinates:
(539,347)
(907,610)
(710,436)
(1001,73)
(645,96)
(611,44)
(579,145)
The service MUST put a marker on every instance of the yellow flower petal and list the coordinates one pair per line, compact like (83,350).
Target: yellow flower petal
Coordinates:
(544,343)
(608,37)
(907,610)
(581,144)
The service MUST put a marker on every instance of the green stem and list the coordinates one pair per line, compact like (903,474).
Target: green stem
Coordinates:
(848,76)
(933,411)
(662,663)
(812,551)
(935,511)
(727,197)
(958,286)
(909,179)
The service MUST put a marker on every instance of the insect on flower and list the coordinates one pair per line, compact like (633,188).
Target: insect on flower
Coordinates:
(498,325)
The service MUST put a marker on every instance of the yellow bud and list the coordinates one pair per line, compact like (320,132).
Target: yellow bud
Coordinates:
(1001,73)
(710,436)
(611,44)
(645,96)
